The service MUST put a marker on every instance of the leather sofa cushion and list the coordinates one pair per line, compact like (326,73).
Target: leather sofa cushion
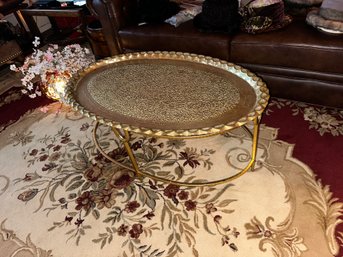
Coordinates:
(298,46)
(185,38)
(301,85)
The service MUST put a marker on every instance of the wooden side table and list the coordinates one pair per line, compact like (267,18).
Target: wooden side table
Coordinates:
(76,12)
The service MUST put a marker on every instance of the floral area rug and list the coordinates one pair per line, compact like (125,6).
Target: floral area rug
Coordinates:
(317,132)
(60,197)
(14,104)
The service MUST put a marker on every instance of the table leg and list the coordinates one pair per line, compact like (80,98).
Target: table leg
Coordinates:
(125,139)
(21,21)
(54,25)
(254,142)
(32,25)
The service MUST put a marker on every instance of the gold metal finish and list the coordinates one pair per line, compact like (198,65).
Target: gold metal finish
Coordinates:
(125,140)
(104,153)
(170,95)
(253,94)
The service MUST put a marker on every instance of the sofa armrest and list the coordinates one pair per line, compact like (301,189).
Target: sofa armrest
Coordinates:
(113,15)
(9,51)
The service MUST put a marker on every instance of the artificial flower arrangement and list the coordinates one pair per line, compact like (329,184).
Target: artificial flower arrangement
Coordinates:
(48,70)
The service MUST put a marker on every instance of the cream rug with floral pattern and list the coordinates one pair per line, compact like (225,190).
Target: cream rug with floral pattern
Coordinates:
(59,197)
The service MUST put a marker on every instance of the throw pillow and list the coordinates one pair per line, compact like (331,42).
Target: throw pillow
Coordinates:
(184,15)
(218,16)
(156,11)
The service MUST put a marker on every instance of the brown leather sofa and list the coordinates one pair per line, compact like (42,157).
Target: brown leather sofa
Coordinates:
(10,49)
(297,62)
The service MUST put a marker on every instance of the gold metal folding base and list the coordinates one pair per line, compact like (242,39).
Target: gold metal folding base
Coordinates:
(125,139)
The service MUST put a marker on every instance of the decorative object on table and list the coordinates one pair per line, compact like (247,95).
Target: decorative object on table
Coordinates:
(263,16)
(328,18)
(48,70)
(218,16)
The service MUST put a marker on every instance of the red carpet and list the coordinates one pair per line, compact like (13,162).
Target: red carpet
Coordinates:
(13,104)
(316,131)
(323,153)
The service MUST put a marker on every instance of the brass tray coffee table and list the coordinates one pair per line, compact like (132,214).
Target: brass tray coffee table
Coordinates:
(168,94)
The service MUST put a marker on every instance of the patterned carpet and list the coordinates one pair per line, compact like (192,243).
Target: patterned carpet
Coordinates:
(60,198)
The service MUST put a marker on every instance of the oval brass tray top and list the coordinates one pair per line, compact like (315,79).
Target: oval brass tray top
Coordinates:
(168,94)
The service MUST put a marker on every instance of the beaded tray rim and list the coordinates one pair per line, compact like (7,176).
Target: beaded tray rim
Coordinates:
(260,89)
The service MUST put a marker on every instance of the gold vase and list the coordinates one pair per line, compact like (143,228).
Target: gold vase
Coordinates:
(55,85)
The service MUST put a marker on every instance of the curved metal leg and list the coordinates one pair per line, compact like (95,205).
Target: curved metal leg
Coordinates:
(125,138)
(104,153)
(255,143)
